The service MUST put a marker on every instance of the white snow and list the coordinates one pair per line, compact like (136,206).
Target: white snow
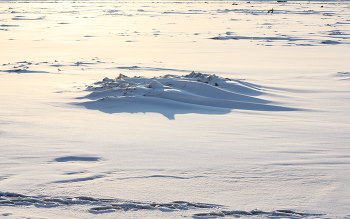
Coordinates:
(174,109)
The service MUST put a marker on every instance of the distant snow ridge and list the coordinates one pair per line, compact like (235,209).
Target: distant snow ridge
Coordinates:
(205,90)
(112,205)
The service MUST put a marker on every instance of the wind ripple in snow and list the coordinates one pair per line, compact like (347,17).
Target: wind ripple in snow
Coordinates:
(268,214)
(192,91)
(98,206)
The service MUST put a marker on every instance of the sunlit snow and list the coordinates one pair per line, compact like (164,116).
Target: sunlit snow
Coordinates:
(186,109)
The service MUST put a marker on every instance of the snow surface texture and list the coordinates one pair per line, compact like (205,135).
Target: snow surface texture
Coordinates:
(174,110)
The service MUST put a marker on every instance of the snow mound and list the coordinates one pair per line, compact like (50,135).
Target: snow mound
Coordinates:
(194,89)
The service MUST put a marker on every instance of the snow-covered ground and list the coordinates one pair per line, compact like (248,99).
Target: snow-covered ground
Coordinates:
(174,109)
